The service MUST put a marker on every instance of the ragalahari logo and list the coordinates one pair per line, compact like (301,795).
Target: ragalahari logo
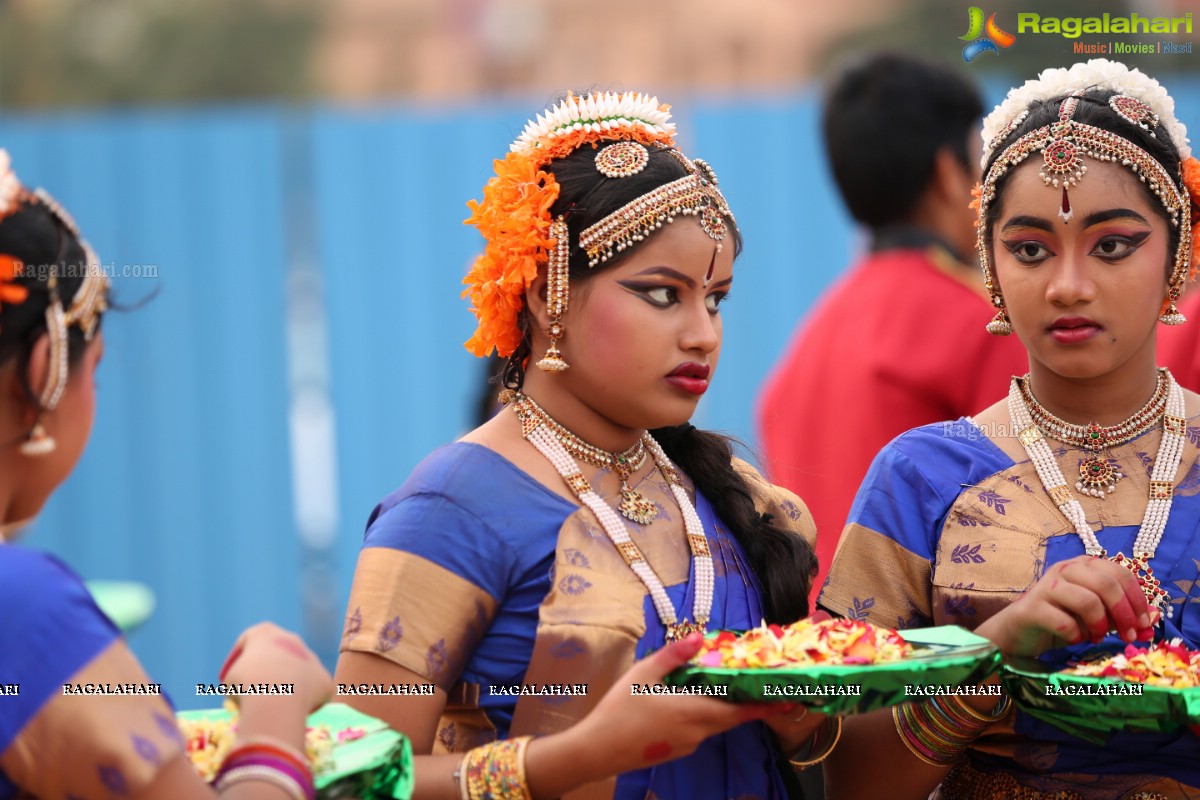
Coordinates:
(991,40)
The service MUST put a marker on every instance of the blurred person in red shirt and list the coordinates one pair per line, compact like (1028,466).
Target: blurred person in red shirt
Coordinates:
(1179,347)
(899,341)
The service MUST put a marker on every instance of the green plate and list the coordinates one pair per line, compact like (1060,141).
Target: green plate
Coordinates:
(126,603)
(377,766)
(943,656)
(1096,717)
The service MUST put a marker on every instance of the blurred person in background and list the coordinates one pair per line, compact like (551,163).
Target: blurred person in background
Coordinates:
(1179,347)
(897,341)
(53,294)
(588,524)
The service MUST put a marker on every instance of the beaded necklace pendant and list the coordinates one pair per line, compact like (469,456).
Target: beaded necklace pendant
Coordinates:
(1156,597)
(1098,475)
(634,505)
(681,630)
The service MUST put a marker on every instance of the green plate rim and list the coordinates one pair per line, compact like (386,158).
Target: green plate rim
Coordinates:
(967,663)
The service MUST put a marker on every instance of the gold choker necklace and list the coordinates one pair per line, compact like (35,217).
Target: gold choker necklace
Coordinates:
(1097,475)
(634,505)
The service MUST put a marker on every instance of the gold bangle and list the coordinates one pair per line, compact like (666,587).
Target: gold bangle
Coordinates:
(824,753)
(520,758)
(496,771)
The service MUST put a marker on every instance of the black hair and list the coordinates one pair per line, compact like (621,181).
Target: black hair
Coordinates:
(1094,110)
(36,237)
(885,118)
(782,561)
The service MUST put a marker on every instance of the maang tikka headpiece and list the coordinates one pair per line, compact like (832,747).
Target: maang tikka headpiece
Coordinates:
(1065,143)
(631,125)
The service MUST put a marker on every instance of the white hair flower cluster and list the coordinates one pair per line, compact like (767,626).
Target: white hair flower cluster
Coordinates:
(595,113)
(10,187)
(1098,73)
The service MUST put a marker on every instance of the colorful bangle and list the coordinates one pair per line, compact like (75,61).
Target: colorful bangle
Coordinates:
(931,740)
(270,750)
(819,746)
(265,774)
(939,731)
(1002,709)
(923,744)
(918,751)
(268,761)
(277,744)
(934,718)
(496,771)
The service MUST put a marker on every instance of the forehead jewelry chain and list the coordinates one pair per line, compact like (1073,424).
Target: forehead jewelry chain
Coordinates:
(1162,488)
(535,428)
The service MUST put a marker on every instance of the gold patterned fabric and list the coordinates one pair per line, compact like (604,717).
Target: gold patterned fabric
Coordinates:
(90,745)
(968,783)
(78,716)
(476,576)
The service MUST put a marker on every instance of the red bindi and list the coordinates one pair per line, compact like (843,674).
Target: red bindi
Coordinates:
(712,265)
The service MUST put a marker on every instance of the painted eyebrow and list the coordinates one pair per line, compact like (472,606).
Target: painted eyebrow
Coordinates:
(1094,218)
(1029,222)
(667,272)
(1112,213)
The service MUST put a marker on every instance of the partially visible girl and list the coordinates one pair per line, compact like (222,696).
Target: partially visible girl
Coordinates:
(55,742)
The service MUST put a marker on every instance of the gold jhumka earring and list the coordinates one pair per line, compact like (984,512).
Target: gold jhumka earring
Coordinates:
(1000,324)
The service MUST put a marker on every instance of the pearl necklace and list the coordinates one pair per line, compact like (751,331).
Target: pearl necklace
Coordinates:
(1097,476)
(634,505)
(1162,487)
(534,428)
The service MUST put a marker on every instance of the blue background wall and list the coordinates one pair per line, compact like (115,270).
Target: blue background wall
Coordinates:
(319,253)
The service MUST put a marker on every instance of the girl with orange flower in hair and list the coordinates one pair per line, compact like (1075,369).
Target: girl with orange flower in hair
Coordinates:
(589,524)
(53,294)
(1063,519)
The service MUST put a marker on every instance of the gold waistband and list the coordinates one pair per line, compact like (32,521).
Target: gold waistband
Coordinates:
(967,783)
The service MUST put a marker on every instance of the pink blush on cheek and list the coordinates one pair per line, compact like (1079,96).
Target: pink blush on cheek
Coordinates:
(612,334)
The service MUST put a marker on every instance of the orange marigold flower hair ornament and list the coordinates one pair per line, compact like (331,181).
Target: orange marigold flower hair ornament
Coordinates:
(514,214)
(1191,181)
(11,268)
(1141,102)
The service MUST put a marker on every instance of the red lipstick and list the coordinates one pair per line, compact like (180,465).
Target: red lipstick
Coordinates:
(690,377)
(1074,330)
